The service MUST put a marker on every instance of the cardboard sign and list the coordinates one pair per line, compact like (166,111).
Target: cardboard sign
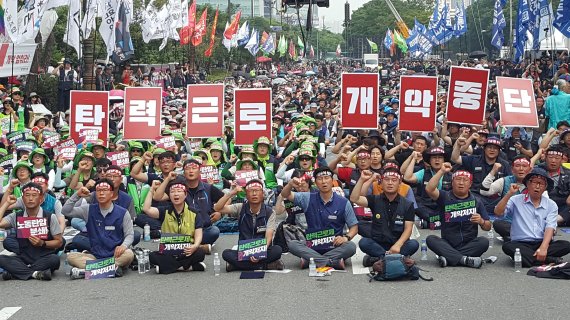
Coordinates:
(467,95)
(321,240)
(68,153)
(120,158)
(252,115)
(517,105)
(359,100)
(7,161)
(89,110)
(16,136)
(165,142)
(100,268)
(26,145)
(418,103)
(205,112)
(65,144)
(460,212)
(88,136)
(5,124)
(243,177)
(32,226)
(174,244)
(142,113)
(209,172)
(256,248)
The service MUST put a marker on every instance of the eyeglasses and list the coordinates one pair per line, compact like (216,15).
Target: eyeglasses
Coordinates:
(537,183)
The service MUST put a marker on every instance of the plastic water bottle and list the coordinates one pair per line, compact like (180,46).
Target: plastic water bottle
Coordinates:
(2,234)
(140,260)
(146,260)
(518,260)
(424,250)
(146,233)
(312,268)
(491,237)
(216,264)
(66,266)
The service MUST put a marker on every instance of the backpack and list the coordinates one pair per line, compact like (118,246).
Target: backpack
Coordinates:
(560,271)
(286,232)
(396,267)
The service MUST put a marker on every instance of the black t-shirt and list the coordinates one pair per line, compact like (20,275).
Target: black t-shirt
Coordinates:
(395,222)
(455,213)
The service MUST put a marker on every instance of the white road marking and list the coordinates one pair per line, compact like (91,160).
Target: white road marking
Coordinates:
(7,312)
(356,259)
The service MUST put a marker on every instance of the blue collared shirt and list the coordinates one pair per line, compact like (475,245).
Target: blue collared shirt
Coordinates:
(528,222)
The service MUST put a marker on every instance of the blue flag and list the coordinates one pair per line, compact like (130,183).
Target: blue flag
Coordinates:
(460,26)
(440,34)
(123,43)
(562,20)
(499,24)
(520,36)
(424,43)
(412,40)
(388,42)
(434,19)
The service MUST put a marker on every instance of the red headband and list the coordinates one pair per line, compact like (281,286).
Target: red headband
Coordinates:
(254,185)
(391,174)
(115,171)
(26,188)
(521,161)
(554,152)
(103,186)
(363,155)
(39,180)
(178,186)
(462,173)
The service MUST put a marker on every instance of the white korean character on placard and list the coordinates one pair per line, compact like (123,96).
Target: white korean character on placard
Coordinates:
(253,112)
(89,116)
(418,101)
(366,98)
(143,111)
(517,100)
(467,95)
(208,113)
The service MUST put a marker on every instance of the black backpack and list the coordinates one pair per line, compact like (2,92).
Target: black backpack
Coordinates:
(286,232)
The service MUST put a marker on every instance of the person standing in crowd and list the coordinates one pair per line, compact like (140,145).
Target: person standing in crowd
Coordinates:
(68,79)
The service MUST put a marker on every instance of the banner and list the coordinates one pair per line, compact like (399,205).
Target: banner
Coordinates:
(499,23)
(7,161)
(359,100)
(89,110)
(562,19)
(418,103)
(467,95)
(174,244)
(321,240)
(256,248)
(32,227)
(252,115)
(120,158)
(205,112)
(21,58)
(243,177)
(142,113)
(100,268)
(517,105)
(209,172)
(460,212)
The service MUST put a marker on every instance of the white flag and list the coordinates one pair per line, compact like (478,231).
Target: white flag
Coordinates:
(48,22)
(107,27)
(11,19)
(88,23)
(71,36)
(184,12)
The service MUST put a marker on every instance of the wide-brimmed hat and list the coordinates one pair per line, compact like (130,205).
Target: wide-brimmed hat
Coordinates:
(539,172)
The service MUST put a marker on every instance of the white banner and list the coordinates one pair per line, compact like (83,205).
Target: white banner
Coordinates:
(23,57)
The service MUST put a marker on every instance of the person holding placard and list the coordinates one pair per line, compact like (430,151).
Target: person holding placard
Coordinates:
(392,218)
(461,214)
(326,213)
(181,228)
(256,224)
(39,236)
(109,228)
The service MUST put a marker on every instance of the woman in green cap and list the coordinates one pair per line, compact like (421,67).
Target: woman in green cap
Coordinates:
(21,173)
(305,161)
(218,158)
(84,172)
(154,166)
(40,163)
(136,189)
(266,161)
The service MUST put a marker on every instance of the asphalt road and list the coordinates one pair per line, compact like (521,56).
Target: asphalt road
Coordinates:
(494,291)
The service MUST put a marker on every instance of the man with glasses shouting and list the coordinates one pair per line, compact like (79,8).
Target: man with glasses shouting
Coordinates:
(461,214)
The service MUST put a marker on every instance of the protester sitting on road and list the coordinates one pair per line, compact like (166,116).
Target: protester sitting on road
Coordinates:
(324,210)
(256,220)
(461,214)
(560,175)
(392,219)
(533,218)
(109,228)
(177,218)
(37,257)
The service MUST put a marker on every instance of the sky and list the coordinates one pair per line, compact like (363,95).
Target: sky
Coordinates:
(334,14)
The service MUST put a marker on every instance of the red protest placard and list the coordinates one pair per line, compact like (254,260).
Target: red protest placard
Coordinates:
(467,95)
(243,177)
(165,142)
(418,103)
(359,100)
(252,115)
(67,146)
(89,110)
(209,172)
(142,113)
(88,135)
(120,158)
(517,105)
(32,226)
(51,140)
(205,112)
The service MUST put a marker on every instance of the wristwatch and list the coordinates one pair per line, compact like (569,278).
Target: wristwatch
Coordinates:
(348,237)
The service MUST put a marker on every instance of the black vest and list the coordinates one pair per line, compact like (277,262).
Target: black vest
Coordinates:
(201,202)
(421,187)
(247,228)
(388,227)
(65,79)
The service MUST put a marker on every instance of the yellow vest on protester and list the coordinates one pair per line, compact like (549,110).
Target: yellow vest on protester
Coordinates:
(186,225)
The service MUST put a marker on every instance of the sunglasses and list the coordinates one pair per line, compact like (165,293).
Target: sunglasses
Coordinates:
(304,159)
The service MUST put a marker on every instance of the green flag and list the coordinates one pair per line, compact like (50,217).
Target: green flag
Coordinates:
(373,46)
(400,41)
(301,45)
(282,47)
